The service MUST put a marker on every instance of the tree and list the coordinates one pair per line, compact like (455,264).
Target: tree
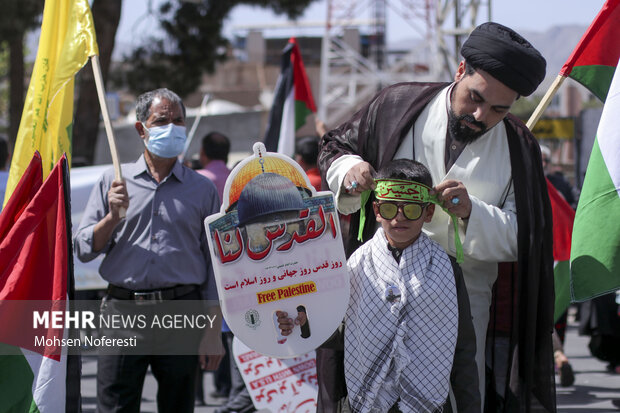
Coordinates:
(16,19)
(106,16)
(193,45)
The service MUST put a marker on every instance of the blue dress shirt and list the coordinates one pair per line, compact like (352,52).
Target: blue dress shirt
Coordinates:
(162,241)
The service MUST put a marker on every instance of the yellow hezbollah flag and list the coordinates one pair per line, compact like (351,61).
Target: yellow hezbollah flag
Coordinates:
(67,40)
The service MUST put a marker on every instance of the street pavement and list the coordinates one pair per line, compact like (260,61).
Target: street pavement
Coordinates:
(149,393)
(594,387)
(593,391)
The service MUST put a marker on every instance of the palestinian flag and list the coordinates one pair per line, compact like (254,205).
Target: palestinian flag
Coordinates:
(36,275)
(595,252)
(593,61)
(292,102)
(563,217)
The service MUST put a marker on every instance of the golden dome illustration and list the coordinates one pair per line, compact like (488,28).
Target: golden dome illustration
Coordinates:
(261,165)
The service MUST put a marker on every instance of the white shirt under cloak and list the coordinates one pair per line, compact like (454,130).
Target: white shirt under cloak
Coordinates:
(400,349)
(489,235)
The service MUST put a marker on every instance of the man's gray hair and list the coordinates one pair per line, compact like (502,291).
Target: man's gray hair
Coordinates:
(145,100)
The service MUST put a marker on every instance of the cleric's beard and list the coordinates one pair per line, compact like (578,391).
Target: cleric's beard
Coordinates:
(462,133)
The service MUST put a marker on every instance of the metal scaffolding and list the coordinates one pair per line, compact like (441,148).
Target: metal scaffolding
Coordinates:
(352,72)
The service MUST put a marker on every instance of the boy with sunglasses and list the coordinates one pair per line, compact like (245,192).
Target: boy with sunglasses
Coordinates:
(399,352)
(403,317)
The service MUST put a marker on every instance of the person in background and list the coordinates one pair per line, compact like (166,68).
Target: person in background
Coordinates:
(213,157)
(306,154)
(562,365)
(600,319)
(5,161)
(558,180)
(157,253)
(239,399)
(488,172)
(227,379)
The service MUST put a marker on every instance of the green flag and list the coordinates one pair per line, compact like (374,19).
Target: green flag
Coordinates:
(593,61)
(595,252)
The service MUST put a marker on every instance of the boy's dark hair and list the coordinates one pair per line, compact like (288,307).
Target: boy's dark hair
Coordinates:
(308,148)
(216,145)
(406,169)
(4,152)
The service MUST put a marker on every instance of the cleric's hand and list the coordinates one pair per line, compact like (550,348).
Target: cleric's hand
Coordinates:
(454,197)
(359,178)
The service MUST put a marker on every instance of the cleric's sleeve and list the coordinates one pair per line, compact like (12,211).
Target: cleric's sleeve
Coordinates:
(342,148)
(490,233)
(346,203)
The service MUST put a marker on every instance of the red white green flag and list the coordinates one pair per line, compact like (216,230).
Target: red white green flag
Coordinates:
(36,274)
(593,61)
(595,252)
(292,103)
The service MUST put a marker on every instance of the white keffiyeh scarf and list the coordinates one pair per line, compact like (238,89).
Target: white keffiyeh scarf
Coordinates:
(400,349)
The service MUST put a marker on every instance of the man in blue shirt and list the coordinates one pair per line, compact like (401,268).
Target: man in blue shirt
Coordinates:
(157,253)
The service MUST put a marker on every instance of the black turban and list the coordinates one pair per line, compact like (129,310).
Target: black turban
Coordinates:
(505,55)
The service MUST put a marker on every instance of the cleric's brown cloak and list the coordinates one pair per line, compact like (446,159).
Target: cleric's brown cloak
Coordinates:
(528,310)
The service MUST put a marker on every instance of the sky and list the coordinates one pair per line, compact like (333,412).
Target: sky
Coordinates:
(534,15)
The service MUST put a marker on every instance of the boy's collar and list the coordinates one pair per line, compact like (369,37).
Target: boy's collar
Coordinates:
(396,252)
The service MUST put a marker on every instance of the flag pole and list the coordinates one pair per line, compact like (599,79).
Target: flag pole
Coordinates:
(542,105)
(190,136)
(118,175)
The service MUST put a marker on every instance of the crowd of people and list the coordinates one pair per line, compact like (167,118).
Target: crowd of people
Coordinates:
(451,305)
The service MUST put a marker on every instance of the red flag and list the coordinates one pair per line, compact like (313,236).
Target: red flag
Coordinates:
(563,218)
(594,60)
(28,185)
(34,256)
(36,273)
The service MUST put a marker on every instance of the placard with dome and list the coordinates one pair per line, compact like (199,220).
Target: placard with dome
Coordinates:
(276,245)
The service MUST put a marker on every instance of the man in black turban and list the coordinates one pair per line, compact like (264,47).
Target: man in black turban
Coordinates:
(505,55)
(488,172)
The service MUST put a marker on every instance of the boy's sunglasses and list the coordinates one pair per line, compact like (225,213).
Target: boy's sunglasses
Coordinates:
(411,210)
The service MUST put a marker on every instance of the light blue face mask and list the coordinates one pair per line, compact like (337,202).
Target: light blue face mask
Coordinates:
(165,141)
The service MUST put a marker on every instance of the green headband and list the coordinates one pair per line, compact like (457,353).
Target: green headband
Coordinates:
(408,191)
(401,190)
